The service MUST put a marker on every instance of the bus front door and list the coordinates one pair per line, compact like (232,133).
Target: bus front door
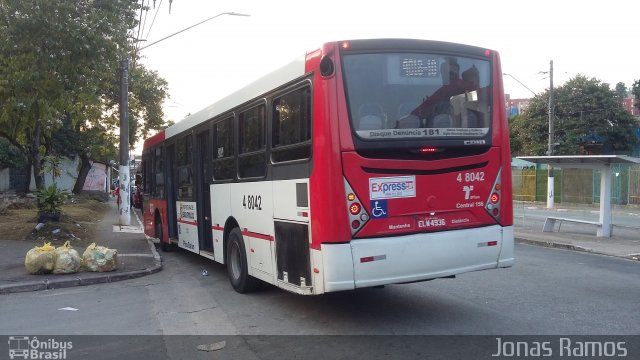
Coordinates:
(203,196)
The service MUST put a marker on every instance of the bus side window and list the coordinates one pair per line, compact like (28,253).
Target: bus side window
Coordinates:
(158,183)
(184,161)
(224,163)
(252,160)
(292,126)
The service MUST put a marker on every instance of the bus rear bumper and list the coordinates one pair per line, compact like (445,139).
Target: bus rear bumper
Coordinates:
(417,257)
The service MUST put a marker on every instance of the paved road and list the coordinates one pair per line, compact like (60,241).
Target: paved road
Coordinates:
(549,291)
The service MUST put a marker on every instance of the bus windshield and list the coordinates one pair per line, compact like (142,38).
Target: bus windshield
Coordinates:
(418,96)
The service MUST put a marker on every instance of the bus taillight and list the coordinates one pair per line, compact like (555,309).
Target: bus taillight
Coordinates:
(493,202)
(355,208)
(358,216)
(345,45)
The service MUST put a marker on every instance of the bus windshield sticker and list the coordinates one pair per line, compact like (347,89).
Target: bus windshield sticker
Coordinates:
(474,142)
(392,187)
(422,133)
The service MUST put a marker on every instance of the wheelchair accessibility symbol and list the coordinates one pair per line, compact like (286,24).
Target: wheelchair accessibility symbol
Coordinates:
(379,209)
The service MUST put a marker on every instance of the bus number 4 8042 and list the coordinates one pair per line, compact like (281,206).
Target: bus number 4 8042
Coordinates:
(252,202)
(471,176)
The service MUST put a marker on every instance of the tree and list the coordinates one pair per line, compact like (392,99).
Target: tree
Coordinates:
(529,131)
(10,156)
(148,92)
(59,66)
(88,143)
(635,90)
(621,92)
(584,109)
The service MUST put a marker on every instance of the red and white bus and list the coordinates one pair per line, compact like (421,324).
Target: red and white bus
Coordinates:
(362,163)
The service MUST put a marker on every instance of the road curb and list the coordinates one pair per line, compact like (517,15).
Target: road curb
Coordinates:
(554,245)
(87,278)
(573,247)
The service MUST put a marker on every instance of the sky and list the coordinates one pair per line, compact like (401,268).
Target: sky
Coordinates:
(597,39)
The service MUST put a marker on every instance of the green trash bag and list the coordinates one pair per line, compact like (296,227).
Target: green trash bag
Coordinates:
(99,258)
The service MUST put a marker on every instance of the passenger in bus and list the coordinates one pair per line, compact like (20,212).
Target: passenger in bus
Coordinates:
(471,117)
(371,116)
(472,77)
(451,85)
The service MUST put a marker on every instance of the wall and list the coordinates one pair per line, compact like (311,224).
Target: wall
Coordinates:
(67,177)
(5,180)
(96,178)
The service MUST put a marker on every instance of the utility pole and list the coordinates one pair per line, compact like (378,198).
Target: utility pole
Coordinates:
(550,183)
(124,176)
(125,171)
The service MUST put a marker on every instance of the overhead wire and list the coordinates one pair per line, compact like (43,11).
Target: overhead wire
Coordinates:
(154,19)
(139,25)
(144,22)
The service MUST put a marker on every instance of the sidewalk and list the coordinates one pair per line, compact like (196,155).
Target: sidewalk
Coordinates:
(624,241)
(619,246)
(137,257)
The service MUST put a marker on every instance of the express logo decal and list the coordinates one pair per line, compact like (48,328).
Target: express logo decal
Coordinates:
(392,187)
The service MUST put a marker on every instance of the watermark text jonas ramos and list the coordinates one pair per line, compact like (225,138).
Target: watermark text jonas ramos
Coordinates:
(563,347)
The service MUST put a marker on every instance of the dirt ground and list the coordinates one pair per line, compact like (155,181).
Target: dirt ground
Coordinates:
(77,224)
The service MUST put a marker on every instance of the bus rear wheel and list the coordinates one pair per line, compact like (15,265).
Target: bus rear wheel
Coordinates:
(237,266)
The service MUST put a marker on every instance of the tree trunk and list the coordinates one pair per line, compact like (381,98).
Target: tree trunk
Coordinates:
(27,171)
(34,153)
(85,166)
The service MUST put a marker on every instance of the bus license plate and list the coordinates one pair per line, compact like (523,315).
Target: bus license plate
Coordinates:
(431,223)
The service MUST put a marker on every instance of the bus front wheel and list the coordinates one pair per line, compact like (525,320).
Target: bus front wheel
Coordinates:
(159,235)
(237,267)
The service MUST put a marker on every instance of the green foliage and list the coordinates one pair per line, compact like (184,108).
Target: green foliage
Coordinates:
(635,90)
(10,156)
(53,166)
(96,141)
(59,76)
(621,92)
(51,199)
(529,131)
(584,109)
(148,91)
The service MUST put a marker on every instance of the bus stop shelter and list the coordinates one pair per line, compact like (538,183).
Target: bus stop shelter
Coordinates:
(594,162)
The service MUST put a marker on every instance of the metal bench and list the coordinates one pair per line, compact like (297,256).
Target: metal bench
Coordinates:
(551,222)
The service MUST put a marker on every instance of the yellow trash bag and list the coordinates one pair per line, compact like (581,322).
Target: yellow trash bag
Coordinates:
(40,259)
(99,258)
(68,260)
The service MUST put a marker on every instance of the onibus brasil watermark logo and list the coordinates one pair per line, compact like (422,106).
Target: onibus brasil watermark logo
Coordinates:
(30,347)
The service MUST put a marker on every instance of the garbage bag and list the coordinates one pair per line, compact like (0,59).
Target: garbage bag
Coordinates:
(99,258)
(40,259)
(68,260)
